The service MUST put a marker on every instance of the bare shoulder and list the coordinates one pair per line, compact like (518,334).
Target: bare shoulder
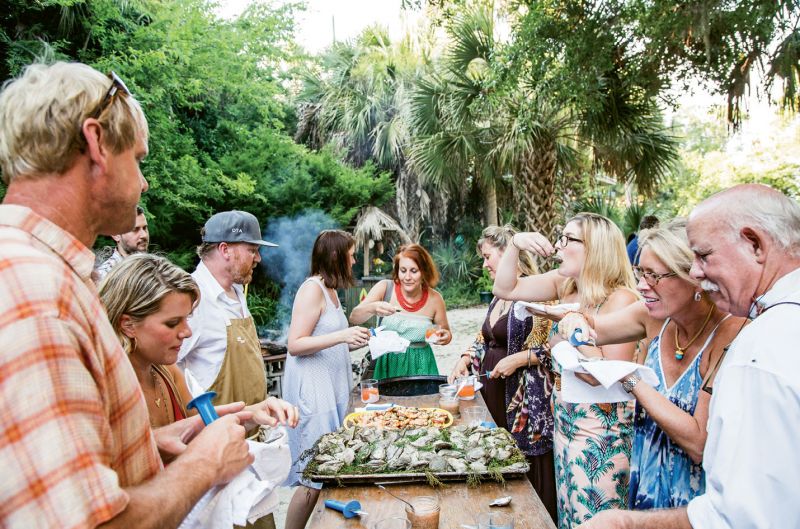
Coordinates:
(621,297)
(309,292)
(436,296)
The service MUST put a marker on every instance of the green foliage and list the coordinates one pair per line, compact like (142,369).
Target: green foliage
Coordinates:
(485,283)
(600,203)
(459,295)
(263,305)
(456,263)
(213,94)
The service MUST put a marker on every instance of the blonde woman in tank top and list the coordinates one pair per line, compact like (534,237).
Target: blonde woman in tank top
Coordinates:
(591,442)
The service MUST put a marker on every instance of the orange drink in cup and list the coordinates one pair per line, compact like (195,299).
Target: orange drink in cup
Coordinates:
(466,387)
(369,391)
(430,333)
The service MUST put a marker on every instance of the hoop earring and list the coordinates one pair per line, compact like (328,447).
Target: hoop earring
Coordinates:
(698,296)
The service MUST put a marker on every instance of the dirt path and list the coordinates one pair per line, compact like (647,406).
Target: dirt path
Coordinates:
(464,324)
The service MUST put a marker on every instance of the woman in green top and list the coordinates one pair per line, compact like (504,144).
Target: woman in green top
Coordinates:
(409,305)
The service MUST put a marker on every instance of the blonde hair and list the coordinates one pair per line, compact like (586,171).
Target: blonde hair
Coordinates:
(136,287)
(42,113)
(500,237)
(670,245)
(606,267)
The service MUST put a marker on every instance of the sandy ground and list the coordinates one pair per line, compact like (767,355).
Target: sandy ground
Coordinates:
(464,324)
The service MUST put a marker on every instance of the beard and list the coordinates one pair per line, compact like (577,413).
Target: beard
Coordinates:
(242,273)
(136,248)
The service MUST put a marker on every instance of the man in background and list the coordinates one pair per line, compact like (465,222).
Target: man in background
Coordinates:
(647,222)
(134,241)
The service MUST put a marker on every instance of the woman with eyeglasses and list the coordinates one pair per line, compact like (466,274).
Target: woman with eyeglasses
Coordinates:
(688,335)
(591,442)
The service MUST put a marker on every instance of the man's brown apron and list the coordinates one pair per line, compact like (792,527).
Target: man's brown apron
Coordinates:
(242,378)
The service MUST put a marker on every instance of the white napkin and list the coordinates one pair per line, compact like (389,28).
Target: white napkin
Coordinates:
(607,372)
(387,342)
(250,495)
(192,384)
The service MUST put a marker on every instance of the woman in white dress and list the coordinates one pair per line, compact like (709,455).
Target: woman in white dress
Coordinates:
(318,369)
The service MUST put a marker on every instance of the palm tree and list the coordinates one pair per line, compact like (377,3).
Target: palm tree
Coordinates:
(451,113)
(359,104)
(465,127)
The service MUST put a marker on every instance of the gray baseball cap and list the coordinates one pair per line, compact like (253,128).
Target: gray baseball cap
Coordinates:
(234,226)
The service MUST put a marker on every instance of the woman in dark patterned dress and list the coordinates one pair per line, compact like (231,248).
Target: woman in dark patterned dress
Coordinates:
(510,347)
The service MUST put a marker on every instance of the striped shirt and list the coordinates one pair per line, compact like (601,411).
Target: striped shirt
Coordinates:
(74,429)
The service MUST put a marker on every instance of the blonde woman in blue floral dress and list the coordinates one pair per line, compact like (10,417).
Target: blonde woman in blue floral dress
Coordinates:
(592,442)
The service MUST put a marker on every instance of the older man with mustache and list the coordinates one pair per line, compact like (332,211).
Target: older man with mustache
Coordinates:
(748,260)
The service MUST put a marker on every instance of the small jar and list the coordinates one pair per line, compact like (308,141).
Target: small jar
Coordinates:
(425,514)
(450,403)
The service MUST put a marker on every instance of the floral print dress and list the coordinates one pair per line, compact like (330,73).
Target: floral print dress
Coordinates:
(592,452)
(662,473)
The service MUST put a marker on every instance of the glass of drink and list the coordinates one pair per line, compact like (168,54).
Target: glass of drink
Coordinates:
(449,403)
(474,415)
(369,391)
(466,387)
(495,520)
(425,514)
(447,390)
(431,334)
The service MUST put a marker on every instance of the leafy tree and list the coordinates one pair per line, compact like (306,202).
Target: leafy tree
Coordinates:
(357,101)
(215,99)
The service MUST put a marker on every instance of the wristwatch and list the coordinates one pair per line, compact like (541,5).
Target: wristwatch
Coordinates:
(629,382)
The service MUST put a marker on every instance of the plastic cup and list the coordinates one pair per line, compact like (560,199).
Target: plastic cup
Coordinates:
(474,415)
(369,391)
(466,387)
(495,520)
(425,514)
(392,523)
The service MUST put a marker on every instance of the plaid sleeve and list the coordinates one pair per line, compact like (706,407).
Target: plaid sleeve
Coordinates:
(55,439)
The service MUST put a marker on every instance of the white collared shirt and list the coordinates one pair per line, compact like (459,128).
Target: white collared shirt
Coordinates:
(203,352)
(751,458)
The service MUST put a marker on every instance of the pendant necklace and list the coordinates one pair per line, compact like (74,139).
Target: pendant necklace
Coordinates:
(680,351)
(160,399)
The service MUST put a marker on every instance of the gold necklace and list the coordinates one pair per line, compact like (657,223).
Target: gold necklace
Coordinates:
(160,399)
(680,351)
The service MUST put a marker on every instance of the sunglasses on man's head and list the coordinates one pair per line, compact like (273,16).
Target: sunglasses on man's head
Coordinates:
(117,86)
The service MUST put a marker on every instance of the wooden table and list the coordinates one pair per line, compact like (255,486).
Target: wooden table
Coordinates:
(459,504)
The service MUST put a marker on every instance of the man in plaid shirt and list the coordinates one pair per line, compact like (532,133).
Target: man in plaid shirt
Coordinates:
(76,447)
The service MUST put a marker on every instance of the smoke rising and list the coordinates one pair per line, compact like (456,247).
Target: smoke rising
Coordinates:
(290,263)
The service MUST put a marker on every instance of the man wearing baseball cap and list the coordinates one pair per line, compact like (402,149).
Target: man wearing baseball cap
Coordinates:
(223,353)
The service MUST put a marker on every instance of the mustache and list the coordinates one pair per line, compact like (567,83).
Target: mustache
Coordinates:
(708,286)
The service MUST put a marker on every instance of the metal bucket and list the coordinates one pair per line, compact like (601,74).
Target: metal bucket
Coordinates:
(411,386)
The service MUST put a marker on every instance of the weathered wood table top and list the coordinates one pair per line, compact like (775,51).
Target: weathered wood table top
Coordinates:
(459,504)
